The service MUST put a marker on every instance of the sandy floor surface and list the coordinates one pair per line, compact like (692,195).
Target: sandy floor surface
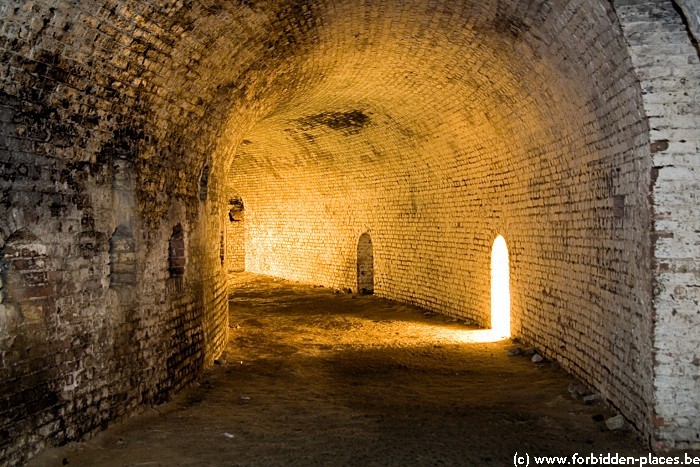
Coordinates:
(314,377)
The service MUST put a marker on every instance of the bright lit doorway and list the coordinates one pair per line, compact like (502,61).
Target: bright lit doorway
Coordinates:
(500,288)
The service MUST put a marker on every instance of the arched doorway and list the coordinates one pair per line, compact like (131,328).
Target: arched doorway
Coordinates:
(235,235)
(365,265)
(500,288)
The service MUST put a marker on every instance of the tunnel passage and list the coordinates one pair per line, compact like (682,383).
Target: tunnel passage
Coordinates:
(474,119)
(470,121)
(571,125)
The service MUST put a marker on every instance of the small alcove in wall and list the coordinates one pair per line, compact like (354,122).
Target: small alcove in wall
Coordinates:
(204,183)
(365,264)
(176,253)
(24,275)
(122,257)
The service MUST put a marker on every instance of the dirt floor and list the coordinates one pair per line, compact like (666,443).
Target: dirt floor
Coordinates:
(315,377)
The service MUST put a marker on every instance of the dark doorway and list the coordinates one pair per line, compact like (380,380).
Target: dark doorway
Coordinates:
(365,265)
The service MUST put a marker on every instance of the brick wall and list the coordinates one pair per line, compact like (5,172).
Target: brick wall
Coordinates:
(668,66)
(691,16)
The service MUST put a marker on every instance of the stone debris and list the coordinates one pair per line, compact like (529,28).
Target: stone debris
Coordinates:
(616,423)
(578,390)
(592,399)
(537,358)
(514,352)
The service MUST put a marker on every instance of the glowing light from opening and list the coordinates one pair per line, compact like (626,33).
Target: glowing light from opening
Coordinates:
(500,288)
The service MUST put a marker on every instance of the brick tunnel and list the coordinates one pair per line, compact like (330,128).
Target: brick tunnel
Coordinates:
(149,148)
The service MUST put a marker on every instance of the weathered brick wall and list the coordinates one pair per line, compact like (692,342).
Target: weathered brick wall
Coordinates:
(691,15)
(436,127)
(101,147)
(669,69)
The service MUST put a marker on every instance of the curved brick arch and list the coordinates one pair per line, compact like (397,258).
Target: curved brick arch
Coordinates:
(432,124)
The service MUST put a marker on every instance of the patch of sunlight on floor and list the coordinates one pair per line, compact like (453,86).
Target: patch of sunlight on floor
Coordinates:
(450,334)
(468,336)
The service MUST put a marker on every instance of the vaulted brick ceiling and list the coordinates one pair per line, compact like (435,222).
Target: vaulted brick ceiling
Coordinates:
(419,88)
